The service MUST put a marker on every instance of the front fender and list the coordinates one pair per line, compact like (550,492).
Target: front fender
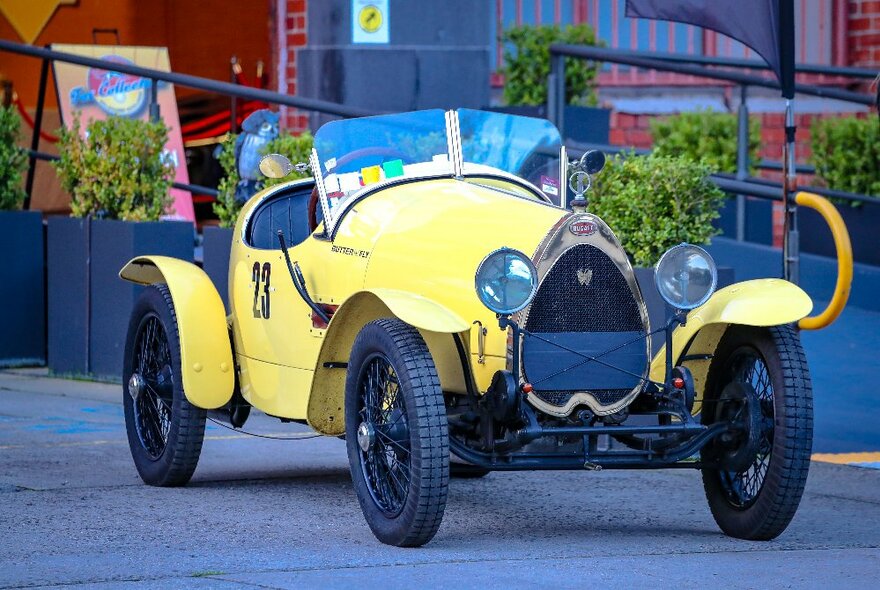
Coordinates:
(760,302)
(421,312)
(435,322)
(205,350)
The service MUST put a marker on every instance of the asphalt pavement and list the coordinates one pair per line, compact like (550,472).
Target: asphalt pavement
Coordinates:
(282,514)
(845,368)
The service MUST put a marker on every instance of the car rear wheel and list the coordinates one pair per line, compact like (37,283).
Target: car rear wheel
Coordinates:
(396,433)
(165,431)
(759,379)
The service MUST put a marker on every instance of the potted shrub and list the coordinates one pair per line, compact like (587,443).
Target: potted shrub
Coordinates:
(710,137)
(846,154)
(22,297)
(653,203)
(119,183)
(217,241)
(527,65)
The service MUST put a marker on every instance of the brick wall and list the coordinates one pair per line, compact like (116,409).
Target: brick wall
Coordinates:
(291,34)
(864,33)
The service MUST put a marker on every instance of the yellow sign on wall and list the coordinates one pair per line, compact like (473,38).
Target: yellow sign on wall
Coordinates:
(369,21)
(29,17)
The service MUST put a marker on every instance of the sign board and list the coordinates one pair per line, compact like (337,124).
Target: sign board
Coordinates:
(369,21)
(98,94)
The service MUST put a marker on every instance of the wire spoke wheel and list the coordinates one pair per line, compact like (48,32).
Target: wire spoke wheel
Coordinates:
(742,487)
(152,410)
(386,461)
(396,433)
(165,432)
(754,477)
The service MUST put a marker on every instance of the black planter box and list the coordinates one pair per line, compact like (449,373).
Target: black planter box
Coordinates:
(758,221)
(862,223)
(89,305)
(580,124)
(217,245)
(22,295)
(657,313)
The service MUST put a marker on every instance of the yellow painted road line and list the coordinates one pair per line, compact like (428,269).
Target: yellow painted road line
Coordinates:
(847,458)
(89,443)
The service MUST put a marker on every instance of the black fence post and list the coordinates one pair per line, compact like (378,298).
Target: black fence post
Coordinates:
(556,91)
(155,114)
(35,138)
(742,160)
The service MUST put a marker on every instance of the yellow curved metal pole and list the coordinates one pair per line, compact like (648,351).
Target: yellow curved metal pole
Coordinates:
(844,260)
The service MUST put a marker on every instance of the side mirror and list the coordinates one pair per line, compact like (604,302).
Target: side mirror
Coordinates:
(275,166)
(592,162)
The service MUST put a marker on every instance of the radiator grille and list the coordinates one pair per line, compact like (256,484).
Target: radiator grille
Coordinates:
(564,304)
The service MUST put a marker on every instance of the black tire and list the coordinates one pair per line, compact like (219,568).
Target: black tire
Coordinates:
(401,474)
(165,431)
(758,503)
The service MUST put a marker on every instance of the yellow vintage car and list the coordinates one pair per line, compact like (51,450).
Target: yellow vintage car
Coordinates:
(439,295)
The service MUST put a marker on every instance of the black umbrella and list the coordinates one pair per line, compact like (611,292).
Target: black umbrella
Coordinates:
(766,26)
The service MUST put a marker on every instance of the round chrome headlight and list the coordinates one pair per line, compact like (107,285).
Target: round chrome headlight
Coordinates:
(506,281)
(686,276)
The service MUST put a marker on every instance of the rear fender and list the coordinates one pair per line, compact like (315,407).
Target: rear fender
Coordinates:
(205,349)
(760,302)
(436,324)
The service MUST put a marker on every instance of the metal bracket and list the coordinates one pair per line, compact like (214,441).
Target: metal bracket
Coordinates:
(481,342)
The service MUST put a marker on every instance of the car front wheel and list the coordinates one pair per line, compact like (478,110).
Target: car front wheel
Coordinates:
(755,477)
(396,433)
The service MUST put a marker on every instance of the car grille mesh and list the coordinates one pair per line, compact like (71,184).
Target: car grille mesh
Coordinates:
(604,304)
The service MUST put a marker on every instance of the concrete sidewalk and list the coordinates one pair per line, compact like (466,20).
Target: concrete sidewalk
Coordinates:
(281,514)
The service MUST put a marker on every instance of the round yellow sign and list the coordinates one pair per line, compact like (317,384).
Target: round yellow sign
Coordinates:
(370,18)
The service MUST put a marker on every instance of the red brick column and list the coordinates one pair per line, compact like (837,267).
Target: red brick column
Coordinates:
(290,35)
(864,33)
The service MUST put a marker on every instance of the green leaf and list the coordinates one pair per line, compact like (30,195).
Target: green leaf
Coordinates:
(846,154)
(707,137)
(13,160)
(655,202)
(117,171)
(527,64)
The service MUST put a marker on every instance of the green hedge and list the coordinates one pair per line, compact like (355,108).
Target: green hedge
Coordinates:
(296,147)
(846,153)
(13,160)
(705,136)
(655,202)
(527,64)
(117,171)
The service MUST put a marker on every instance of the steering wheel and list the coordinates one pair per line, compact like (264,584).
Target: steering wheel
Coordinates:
(313,210)
(384,152)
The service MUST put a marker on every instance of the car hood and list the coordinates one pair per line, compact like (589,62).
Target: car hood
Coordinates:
(429,237)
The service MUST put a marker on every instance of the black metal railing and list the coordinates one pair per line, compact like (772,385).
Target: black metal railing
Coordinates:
(47,56)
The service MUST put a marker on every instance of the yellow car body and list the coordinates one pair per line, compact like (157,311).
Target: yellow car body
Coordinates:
(416,263)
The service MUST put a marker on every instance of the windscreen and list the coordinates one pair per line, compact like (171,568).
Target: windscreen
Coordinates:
(523,146)
(355,153)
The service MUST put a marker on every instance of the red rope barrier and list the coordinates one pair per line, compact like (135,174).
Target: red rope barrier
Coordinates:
(27,119)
